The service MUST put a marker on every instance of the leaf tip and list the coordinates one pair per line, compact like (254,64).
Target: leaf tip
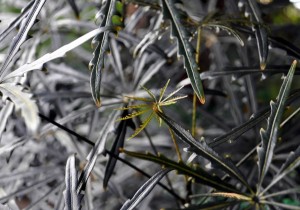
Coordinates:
(263,66)
(202,100)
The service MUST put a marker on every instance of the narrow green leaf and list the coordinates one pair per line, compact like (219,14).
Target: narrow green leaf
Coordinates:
(23,102)
(22,35)
(202,149)
(144,124)
(134,114)
(269,136)
(184,46)
(199,175)
(144,190)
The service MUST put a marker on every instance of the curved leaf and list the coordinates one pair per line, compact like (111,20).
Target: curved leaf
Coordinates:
(107,16)
(72,199)
(22,34)
(22,101)
(16,21)
(269,136)
(199,175)
(259,31)
(144,190)
(184,46)
(37,64)
(202,149)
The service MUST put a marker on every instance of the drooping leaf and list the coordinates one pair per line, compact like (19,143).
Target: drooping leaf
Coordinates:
(144,190)
(118,143)
(37,64)
(223,25)
(22,35)
(184,46)
(17,20)
(202,149)
(109,16)
(97,149)
(23,102)
(269,136)
(200,175)
(292,162)
(72,199)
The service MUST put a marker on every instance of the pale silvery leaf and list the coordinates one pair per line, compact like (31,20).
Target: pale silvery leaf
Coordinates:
(23,102)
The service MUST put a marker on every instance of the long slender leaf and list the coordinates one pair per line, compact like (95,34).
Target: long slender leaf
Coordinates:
(203,149)
(98,149)
(22,34)
(253,121)
(16,21)
(118,143)
(184,46)
(269,136)
(260,32)
(108,11)
(198,174)
(37,64)
(22,101)
(72,199)
(292,162)
(144,190)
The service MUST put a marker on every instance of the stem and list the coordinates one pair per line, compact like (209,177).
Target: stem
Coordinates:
(84,139)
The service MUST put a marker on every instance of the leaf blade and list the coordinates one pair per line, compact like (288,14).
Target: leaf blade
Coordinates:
(269,136)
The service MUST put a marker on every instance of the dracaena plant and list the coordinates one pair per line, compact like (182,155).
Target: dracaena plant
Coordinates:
(81,82)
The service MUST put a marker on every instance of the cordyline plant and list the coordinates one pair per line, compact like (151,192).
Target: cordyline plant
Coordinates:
(76,128)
